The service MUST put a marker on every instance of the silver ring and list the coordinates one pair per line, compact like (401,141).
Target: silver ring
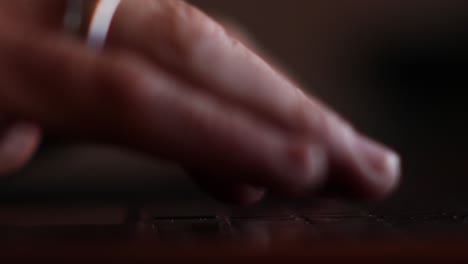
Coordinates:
(100,22)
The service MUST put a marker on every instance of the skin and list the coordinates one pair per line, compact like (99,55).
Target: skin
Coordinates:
(173,83)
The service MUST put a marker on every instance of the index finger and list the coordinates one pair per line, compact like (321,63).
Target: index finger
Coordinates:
(189,43)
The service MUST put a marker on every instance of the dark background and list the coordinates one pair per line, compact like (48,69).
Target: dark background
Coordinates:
(397,69)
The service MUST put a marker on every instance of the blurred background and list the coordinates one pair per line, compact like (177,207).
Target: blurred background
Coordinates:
(397,69)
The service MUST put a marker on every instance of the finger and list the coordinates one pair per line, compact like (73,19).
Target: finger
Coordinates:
(183,39)
(234,193)
(226,191)
(237,194)
(122,99)
(192,45)
(200,130)
(18,142)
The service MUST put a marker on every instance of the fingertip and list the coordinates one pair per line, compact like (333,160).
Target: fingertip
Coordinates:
(365,167)
(380,166)
(237,194)
(246,195)
(227,191)
(18,142)
(393,166)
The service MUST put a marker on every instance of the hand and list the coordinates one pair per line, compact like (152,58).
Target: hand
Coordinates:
(175,84)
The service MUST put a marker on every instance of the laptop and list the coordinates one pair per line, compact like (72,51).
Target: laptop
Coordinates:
(65,206)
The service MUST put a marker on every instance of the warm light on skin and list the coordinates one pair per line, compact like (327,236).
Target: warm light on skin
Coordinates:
(173,69)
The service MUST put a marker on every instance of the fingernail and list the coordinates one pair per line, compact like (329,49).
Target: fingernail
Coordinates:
(318,161)
(382,162)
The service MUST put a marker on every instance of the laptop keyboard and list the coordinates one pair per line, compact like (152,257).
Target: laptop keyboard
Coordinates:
(204,221)
(296,222)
